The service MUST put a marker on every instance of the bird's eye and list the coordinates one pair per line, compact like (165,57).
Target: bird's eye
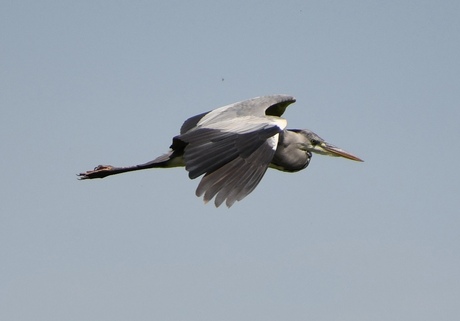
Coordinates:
(314,142)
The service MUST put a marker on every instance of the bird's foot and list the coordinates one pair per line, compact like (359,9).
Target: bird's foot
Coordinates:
(100,171)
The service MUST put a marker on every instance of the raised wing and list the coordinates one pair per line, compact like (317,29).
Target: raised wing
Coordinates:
(273,105)
(233,146)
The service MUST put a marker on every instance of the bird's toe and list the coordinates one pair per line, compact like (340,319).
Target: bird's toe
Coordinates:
(99,171)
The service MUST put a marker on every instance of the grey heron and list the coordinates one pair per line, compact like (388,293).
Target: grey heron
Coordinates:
(232,146)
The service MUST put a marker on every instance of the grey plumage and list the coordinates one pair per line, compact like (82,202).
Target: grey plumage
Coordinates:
(232,146)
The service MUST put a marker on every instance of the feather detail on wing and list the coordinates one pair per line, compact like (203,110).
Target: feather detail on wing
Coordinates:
(233,146)
(208,149)
(237,178)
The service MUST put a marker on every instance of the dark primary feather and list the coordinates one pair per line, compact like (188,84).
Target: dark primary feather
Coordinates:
(209,149)
(238,178)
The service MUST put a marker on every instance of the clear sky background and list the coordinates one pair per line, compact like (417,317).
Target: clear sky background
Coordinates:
(84,83)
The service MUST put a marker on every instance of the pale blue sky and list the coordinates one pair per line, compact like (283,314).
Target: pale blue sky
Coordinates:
(90,82)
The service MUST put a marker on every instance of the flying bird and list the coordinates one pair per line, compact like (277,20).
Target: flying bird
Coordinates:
(232,146)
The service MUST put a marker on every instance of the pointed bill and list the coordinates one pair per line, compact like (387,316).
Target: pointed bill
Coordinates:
(335,151)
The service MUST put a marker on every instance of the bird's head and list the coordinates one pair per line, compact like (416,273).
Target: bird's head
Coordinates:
(317,145)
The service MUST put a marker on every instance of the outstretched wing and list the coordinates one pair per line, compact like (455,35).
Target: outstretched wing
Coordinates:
(233,146)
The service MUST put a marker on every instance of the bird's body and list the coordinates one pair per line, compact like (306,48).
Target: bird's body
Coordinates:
(232,146)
